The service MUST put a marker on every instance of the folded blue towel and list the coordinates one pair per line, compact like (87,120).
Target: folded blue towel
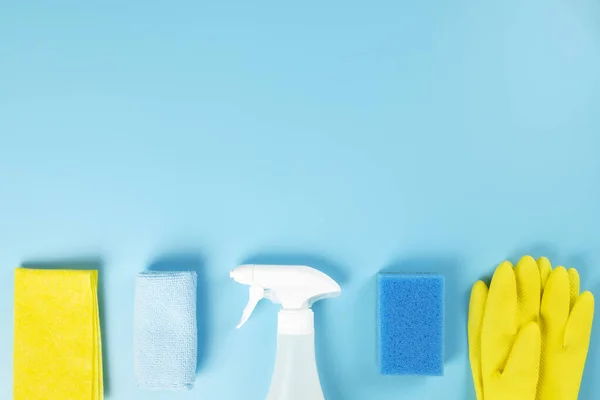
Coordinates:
(165,330)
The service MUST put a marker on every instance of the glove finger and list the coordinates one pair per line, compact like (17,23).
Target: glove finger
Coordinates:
(528,290)
(523,365)
(555,301)
(574,285)
(579,326)
(499,320)
(476,308)
(545,269)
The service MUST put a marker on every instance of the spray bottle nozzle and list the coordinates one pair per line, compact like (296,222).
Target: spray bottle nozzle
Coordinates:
(294,287)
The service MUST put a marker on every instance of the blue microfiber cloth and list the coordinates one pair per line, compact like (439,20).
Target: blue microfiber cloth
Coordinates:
(165,330)
(411,319)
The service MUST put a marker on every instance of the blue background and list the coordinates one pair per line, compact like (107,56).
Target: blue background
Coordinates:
(355,136)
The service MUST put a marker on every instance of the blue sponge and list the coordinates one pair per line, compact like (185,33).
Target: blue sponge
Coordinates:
(411,324)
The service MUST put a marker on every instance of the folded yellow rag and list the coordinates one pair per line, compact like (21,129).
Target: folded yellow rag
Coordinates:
(58,352)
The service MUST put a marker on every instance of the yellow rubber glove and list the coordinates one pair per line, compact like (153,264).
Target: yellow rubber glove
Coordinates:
(566,325)
(504,337)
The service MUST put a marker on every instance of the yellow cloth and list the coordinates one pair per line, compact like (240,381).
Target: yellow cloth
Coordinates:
(566,318)
(504,336)
(57,350)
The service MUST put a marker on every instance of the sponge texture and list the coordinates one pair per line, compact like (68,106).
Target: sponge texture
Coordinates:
(411,324)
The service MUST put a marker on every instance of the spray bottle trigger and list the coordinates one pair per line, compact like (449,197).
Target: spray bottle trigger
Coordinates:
(256,294)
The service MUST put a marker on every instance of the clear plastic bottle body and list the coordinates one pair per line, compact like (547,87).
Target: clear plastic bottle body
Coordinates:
(295,376)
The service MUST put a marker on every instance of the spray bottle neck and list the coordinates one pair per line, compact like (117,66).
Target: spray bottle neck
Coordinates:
(296,322)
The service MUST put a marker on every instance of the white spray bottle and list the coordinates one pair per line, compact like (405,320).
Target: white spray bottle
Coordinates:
(296,288)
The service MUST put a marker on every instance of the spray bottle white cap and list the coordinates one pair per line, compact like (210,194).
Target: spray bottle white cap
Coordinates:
(295,287)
